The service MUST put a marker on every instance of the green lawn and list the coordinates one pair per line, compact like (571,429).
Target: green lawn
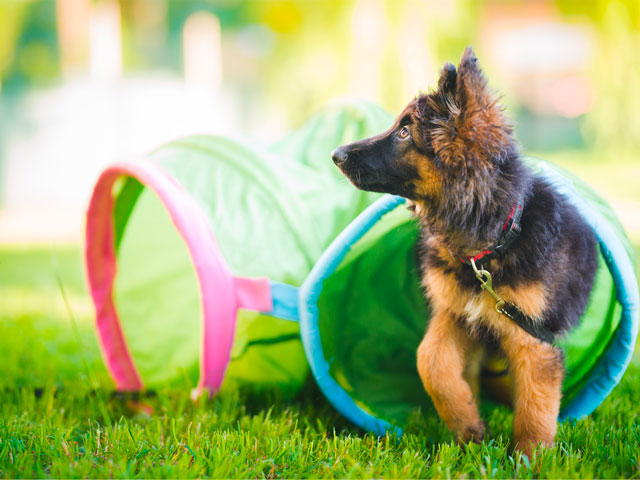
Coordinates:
(59,418)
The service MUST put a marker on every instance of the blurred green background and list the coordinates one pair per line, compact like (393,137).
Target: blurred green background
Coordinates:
(87,82)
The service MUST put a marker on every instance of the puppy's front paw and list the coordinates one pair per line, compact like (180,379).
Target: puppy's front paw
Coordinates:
(472,432)
(528,445)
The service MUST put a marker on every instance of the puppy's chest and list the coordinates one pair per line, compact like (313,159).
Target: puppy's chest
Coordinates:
(446,292)
(471,304)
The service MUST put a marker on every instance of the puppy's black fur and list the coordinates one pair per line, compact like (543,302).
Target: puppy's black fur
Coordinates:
(473,197)
(452,153)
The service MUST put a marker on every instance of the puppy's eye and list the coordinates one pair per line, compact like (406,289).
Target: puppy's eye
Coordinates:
(404,132)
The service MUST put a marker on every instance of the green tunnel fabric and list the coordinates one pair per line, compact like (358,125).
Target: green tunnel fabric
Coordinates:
(373,315)
(273,212)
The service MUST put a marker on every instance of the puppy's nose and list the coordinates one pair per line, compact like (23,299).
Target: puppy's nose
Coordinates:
(339,156)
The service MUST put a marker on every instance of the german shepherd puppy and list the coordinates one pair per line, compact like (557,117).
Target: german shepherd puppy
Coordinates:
(484,216)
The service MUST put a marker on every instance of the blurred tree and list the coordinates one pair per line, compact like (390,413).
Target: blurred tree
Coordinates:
(28,43)
(453,29)
(320,47)
(614,121)
(145,35)
(11,19)
(305,64)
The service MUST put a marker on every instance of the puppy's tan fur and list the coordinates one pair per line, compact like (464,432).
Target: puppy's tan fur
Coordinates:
(444,354)
(451,152)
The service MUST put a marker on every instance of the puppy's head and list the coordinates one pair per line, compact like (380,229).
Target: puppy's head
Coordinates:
(440,143)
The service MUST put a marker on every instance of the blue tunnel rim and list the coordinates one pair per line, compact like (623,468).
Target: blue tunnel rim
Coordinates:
(606,375)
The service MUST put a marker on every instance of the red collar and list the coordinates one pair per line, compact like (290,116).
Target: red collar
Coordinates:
(510,232)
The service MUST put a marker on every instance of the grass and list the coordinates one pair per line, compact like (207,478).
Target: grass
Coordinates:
(60,418)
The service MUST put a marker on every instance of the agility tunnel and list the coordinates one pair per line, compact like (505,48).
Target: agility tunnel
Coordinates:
(193,251)
(213,262)
(363,314)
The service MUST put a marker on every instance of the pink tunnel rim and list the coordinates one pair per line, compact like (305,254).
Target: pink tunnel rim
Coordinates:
(221,293)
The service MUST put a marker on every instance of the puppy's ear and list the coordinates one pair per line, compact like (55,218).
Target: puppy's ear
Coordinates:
(447,81)
(471,89)
(468,123)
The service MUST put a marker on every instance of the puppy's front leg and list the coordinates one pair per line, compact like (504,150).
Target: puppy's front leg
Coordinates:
(537,369)
(442,356)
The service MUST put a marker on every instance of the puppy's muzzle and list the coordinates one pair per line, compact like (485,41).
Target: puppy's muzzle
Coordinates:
(339,156)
